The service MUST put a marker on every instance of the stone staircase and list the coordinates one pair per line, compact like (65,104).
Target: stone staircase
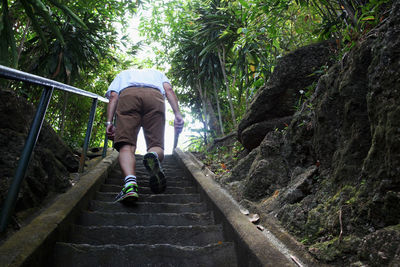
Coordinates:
(170,229)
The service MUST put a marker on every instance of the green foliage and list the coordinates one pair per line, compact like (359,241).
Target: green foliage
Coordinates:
(348,15)
(74,42)
(222,158)
(8,49)
(222,52)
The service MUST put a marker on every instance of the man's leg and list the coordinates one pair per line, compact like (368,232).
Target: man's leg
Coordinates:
(128,125)
(153,122)
(158,150)
(127,159)
(151,161)
(127,162)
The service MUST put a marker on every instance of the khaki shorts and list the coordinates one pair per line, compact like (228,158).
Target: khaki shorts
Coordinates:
(140,107)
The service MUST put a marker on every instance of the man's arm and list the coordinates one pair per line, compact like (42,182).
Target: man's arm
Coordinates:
(111,107)
(173,101)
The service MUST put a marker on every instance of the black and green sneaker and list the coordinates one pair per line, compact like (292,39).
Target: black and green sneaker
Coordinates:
(128,194)
(158,182)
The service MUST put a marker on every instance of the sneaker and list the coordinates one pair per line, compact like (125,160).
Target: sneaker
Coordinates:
(128,194)
(158,183)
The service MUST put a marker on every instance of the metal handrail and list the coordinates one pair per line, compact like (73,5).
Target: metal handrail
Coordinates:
(13,74)
(49,86)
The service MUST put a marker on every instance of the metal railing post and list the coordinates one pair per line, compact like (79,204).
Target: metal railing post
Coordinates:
(88,133)
(30,143)
(176,137)
(105,146)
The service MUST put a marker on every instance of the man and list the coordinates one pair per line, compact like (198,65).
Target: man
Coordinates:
(137,98)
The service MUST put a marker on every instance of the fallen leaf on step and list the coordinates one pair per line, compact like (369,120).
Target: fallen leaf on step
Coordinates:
(296,261)
(254,218)
(244,211)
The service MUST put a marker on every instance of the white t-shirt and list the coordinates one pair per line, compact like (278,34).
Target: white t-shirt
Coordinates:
(138,78)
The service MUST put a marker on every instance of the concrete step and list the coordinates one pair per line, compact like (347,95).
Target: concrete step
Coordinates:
(117,174)
(147,207)
(122,235)
(157,198)
(169,229)
(146,190)
(147,219)
(145,182)
(218,254)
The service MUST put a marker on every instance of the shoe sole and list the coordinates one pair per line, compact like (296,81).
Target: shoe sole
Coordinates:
(157,182)
(128,198)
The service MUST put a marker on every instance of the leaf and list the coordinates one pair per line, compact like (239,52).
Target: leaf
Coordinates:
(44,13)
(296,260)
(35,23)
(244,3)
(244,211)
(254,218)
(69,13)
(368,18)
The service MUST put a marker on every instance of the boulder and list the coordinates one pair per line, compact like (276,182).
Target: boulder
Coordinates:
(50,164)
(255,133)
(273,104)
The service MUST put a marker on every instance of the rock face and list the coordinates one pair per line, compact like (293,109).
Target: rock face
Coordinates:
(332,177)
(273,105)
(50,164)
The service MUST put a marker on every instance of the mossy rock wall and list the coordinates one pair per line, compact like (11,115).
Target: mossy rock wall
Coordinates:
(50,164)
(332,178)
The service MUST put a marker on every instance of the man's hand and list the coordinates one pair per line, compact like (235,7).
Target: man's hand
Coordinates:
(173,101)
(110,130)
(178,123)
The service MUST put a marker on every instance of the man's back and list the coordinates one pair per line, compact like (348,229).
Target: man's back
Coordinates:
(138,78)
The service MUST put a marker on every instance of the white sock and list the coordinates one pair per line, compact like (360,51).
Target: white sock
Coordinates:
(130,179)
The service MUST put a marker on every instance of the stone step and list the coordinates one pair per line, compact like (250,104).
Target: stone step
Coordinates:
(147,207)
(145,175)
(145,182)
(157,198)
(122,235)
(147,219)
(170,167)
(146,190)
(167,158)
(169,229)
(218,254)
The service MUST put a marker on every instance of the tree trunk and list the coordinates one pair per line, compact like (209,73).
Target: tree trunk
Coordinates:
(204,105)
(218,108)
(62,115)
(212,118)
(23,39)
(222,61)
(65,102)
(247,87)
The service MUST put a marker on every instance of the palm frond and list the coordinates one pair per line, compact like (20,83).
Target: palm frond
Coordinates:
(69,13)
(44,13)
